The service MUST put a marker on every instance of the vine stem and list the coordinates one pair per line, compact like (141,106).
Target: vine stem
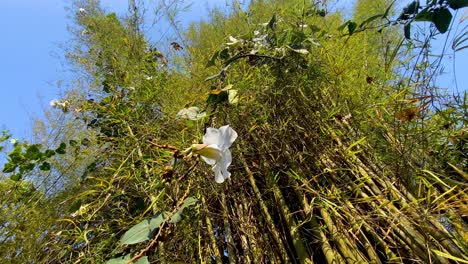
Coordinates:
(155,239)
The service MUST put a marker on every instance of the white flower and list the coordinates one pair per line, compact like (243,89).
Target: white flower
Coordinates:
(82,10)
(54,103)
(215,150)
(191,113)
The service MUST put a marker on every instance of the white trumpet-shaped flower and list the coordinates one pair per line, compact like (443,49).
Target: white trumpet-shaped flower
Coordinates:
(54,103)
(215,150)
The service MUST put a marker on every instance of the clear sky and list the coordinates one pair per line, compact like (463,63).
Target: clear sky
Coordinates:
(31,32)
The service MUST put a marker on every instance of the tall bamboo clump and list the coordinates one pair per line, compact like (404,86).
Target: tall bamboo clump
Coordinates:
(308,184)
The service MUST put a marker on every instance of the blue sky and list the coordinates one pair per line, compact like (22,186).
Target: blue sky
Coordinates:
(30,56)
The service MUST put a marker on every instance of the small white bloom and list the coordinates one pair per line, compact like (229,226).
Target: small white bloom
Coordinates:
(54,102)
(191,113)
(215,150)
(82,10)
(234,41)
(149,78)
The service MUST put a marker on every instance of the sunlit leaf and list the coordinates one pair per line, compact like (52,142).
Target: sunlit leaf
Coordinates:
(445,255)
(119,260)
(142,231)
(142,260)
(178,215)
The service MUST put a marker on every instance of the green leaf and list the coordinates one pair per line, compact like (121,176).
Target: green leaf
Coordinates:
(218,98)
(120,260)
(224,54)
(45,166)
(142,231)
(442,18)
(345,24)
(9,167)
(385,14)
(33,152)
(73,142)
(351,27)
(178,215)
(49,153)
(407,29)
(445,255)
(370,19)
(61,148)
(456,4)
(15,177)
(425,15)
(314,28)
(409,10)
(142,260)
(212,61)
(26,167)
(271,24)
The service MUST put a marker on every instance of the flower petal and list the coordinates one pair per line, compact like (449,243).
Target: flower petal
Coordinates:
(227,136)
(211,136)
(218,174)
(225,162)
(211,154)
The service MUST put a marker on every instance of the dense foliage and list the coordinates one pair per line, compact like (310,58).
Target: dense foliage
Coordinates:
(346,151)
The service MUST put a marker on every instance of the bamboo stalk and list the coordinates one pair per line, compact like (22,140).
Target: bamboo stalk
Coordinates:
(266,214)
(331,255)
(388,252)
(227,230)
(291,226)
(214,247)
(248,249)
(350,254)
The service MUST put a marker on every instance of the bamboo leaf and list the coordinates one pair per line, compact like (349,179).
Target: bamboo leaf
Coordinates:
(445,255)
